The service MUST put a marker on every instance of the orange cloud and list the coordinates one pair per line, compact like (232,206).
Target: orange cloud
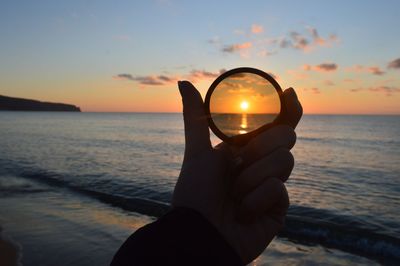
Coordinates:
(329,83)
(312,90)
(237,47)
(256,29)
(239,90)
(375,70)
(387,90)
(197,75)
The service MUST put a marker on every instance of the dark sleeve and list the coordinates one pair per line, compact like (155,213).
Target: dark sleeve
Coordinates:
(181,237)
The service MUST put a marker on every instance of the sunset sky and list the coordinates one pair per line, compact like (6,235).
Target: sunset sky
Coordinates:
(342,57)
(245,93)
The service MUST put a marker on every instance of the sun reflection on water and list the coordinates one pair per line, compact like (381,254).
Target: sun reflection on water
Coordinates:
(243,124)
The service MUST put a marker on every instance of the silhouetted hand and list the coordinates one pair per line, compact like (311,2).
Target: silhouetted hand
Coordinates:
(248,208)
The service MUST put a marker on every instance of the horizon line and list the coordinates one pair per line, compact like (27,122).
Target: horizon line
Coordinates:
(155,112)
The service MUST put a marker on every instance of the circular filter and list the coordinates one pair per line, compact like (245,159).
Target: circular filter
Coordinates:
(241,103)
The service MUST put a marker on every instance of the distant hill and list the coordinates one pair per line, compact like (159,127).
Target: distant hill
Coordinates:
(19,104)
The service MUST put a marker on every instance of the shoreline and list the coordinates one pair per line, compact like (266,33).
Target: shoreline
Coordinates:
(50,225)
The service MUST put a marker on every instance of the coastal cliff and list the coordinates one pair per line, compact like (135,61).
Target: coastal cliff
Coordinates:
(20,104)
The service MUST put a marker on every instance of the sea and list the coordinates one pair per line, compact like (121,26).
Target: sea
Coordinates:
(74,186)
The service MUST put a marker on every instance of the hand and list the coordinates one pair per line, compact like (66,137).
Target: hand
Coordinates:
(249,209)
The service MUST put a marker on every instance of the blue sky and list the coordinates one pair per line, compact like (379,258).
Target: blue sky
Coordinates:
(74,50)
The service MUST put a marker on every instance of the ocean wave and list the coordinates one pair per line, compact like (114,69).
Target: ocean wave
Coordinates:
(315,226)
(10,185)
(349,235)
(144,206)
(346,141)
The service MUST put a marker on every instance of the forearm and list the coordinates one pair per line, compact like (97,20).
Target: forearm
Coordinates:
(181,237)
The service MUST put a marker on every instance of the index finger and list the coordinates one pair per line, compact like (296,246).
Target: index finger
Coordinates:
(276,137)
(281,136)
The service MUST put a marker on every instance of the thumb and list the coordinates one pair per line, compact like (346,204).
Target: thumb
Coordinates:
(197,135)
(294,110)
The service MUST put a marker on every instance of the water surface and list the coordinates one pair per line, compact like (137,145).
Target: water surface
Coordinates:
(344,189)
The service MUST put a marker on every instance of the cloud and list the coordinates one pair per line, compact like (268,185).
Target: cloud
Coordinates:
(124,76)
(236,47)
(154,80)
(304,40)
(318,40)
(259,97)
(313,90)
(329,83)
(395,64)
(324,67)
(299,41)
(387,90)
(375,70)
(256,29)
(147,80)
(194,75)
(284,43)
(235,89)
(308,41)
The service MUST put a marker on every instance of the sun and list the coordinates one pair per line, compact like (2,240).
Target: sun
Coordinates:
(244,105)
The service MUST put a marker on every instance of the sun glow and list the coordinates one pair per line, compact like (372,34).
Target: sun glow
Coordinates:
(244,105)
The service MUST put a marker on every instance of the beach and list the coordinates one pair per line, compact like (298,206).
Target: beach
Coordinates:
(73,187)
